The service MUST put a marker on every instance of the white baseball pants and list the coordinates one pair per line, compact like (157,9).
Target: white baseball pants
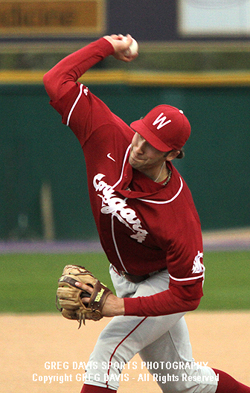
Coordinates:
(162,343)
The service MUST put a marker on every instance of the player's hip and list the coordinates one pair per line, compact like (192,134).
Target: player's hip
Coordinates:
(127,285)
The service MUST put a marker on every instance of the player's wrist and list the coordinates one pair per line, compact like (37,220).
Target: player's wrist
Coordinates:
(114,306)
(121,45)
(120,308)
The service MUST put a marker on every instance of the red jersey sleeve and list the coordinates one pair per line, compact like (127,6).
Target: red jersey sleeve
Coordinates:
(72,100)
(62,77)
(178,299)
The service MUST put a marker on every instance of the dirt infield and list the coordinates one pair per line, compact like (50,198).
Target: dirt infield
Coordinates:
(32,344)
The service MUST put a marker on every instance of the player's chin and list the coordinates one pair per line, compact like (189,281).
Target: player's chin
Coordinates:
(135,164)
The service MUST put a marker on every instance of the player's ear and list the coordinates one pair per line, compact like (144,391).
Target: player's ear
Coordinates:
(171,155)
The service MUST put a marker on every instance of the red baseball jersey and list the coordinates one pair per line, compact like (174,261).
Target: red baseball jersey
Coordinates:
(143,226)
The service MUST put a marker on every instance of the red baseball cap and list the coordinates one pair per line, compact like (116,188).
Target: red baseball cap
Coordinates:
(164,127)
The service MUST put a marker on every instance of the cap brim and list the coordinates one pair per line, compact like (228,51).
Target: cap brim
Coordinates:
(148,135)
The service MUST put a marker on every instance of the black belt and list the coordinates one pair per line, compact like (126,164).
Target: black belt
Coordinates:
(136,279)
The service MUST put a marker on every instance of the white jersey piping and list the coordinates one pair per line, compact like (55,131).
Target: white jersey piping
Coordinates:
(164,202)
(123,165)
(115,244)
(186,279)
(148,200)
(73,106)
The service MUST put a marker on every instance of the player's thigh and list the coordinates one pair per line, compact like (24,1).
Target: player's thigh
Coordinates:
(169,349)
(125,336)
(169,360)
(117,344)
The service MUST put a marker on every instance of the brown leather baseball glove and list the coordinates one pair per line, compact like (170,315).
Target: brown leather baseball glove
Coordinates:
(69,296)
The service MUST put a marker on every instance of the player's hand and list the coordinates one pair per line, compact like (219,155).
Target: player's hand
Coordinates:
(113,305)
(121,46)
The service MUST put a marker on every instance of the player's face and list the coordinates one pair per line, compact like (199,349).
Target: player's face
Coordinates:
(144,157)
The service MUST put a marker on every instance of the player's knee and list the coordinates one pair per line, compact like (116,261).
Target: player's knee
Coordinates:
(198,380)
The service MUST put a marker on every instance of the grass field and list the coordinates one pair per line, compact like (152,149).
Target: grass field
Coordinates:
(28,281)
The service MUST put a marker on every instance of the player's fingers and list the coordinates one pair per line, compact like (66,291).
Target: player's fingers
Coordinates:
(128,58)
(129,38)
(114,36)
(84,287)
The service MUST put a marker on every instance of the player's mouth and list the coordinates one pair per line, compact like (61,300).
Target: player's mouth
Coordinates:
(135,157)
(133,160)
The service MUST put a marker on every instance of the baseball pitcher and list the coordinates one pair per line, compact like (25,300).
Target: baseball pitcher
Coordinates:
(148,227)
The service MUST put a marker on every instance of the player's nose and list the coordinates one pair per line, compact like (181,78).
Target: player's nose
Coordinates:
(139,147)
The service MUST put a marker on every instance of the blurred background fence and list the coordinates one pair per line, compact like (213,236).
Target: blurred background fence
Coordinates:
(202,70)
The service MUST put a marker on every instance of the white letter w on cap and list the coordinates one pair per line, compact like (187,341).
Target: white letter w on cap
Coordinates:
(161,119)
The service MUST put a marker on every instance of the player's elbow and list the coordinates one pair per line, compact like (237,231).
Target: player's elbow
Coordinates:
(49,84)
(193,304)
(46,79)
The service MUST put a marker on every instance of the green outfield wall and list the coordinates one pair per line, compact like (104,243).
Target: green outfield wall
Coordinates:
(37,150)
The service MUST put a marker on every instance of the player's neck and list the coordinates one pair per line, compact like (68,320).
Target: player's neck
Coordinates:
(158,174)
(161,174)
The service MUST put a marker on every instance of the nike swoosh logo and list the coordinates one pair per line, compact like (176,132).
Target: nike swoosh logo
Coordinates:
(109,156)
